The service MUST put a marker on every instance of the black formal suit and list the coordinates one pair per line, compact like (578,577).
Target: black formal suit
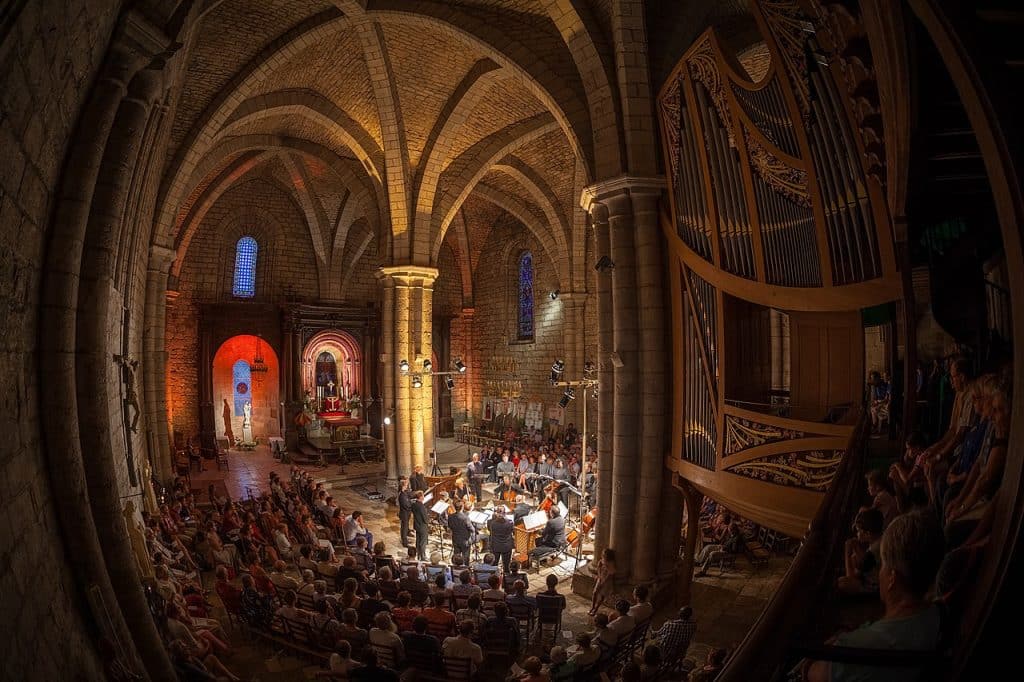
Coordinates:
(421,523)
(475,474)
(550,539)
(463,533)
(502,540)
(417,482)
(404,512)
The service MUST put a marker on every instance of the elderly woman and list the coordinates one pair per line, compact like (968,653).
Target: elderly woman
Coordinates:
(912,547)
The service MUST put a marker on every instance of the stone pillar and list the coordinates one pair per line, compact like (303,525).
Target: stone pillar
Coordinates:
(388,365)
(469,379)
(606,376)
(77,305)
(573,333)
(633,499)
(154,360)
(407,328)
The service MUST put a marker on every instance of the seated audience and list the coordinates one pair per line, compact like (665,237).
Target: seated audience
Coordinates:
(420,644)
(881,498)
(515,573)
(907,475)
(341,662)
(403,613)
(533,671)
(584,653)
(911,549)
(674,636)
(371,605)
(462,646)
(712,666)
(372,671)
(651,662)
(282,581)
(501,626)
(440,620)
(642,609)
(861,554)
(603,634)
(350,631)
(623,624)
(384,634)
(560,669)
(472,613)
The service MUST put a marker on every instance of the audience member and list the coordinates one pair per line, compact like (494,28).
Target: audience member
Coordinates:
(861,554)
(675,635)
(462,646)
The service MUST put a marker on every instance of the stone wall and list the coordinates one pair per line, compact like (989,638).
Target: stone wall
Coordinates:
(497,355)
(50,53)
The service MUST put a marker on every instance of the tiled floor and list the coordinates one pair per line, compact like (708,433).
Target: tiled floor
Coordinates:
(725,605)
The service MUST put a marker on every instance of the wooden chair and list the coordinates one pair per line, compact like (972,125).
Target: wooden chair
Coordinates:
(487,604)
(386,656)
(458,669)
(423,663)
(524,615)
(549,617)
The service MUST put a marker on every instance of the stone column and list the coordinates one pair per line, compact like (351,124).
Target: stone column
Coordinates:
(606,376)
(468,381)
(154,360)
(79,302)
(407,328)
(389,368)
(632,424)
(572,307)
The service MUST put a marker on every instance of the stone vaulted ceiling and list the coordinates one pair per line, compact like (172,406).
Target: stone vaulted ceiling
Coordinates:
(396,113)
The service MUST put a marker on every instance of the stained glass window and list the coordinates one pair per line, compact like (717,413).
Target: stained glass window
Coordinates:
(245,268)
(525,318)
(241,378)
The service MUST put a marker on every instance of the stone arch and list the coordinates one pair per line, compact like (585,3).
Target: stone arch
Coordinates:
(556,251)
(314,107)
(364,196)
(465,172)
(345,348)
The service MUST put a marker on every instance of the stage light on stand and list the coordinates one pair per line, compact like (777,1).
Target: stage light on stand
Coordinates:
(450,383)
(403,366)
(569,395)
(417,382)
(427,365)
(554,294)
(557,367)
(460,366)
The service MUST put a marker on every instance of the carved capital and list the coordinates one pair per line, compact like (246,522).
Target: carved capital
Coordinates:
(409,275)
(623,185)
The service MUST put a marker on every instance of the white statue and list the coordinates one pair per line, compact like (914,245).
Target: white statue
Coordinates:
(247,423)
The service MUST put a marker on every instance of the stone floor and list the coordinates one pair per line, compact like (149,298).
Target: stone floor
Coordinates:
(725,604)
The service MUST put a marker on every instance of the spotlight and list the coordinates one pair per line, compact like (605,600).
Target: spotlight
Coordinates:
(557,367)
(417,382)
(604,264)
(427,365)
(450,383)
(554,294)
(570,394)
(589,368)
(387,421)
(403,366)
(460,366)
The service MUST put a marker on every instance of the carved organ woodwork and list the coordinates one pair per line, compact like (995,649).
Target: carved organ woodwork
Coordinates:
(776,203)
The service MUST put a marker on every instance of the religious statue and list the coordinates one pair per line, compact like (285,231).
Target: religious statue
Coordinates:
(131,398)
(226,412)
(247,423)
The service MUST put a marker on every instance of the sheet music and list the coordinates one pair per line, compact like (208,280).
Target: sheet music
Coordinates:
(536,520)
(563,510)
(439,506)
(428,497)
(479,517)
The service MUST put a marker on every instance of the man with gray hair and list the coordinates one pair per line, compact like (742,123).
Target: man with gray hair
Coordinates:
(911,550)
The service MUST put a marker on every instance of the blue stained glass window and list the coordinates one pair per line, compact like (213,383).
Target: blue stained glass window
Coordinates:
(241,377)
(245,268)
(525,318)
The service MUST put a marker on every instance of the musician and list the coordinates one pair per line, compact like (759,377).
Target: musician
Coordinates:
(550,496)
(502,540)
(553,536)
(417,481)
(475,473)
(404,508)
(491,459)
(559,472)
(421,523)
(463,531)
(521,509)
(504,467)
(460,490)
(507,490)
(590,485)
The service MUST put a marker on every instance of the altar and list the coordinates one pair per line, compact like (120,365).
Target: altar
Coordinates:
(342,425)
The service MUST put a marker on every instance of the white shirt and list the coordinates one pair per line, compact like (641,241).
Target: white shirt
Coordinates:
(642,611)
(462,647)
(352,529)
(623,625)
(388,639)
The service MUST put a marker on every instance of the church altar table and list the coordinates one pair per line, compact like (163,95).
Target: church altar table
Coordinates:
(344,427)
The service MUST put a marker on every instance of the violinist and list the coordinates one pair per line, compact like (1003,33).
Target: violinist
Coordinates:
(507,490)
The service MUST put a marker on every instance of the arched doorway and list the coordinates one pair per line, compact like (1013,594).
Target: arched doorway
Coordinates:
(332,370)
(239,380)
